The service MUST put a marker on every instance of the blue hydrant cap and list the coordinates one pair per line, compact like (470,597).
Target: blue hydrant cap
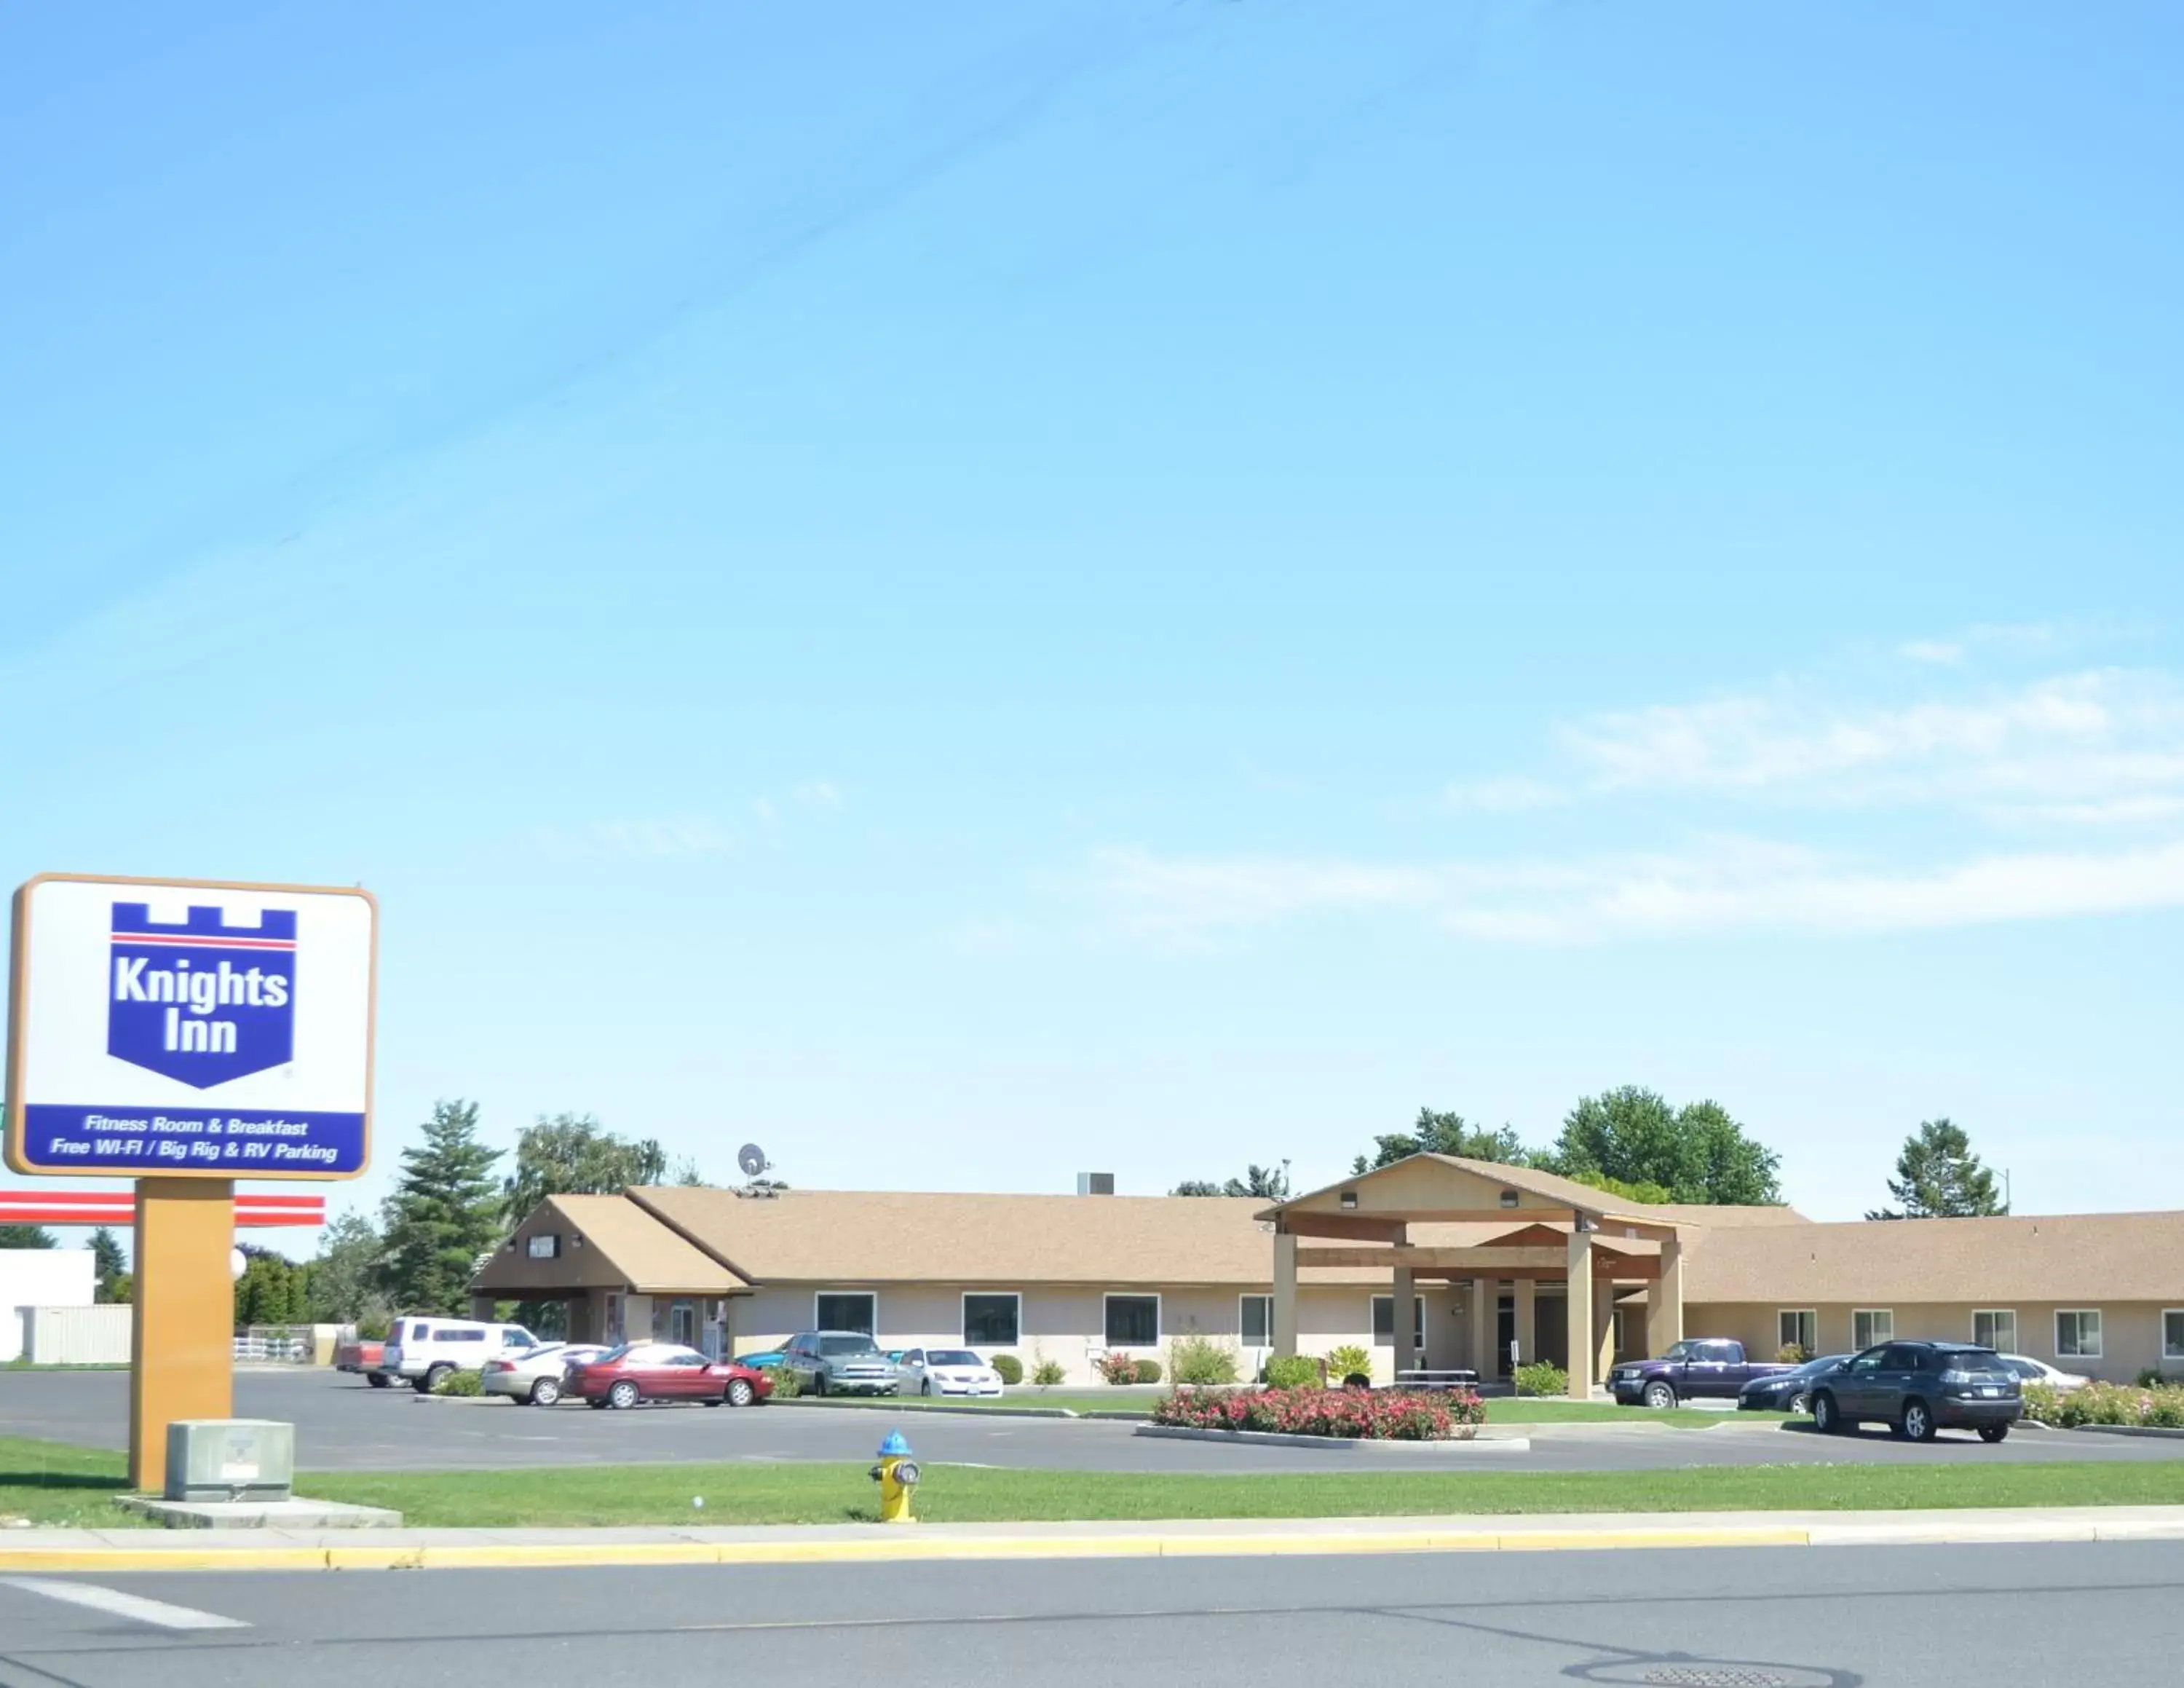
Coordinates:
(894,1448)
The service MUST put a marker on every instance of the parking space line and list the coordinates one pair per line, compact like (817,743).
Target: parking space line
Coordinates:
(121,1605)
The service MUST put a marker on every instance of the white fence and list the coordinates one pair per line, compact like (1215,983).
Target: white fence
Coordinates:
(78,1336)
(274,1345)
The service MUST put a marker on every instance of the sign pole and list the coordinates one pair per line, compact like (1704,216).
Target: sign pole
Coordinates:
(182,1347)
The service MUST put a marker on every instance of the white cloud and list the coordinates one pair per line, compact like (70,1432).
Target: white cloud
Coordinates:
(652,838)
(2102,737)
(1942,652)
(817,794)
(1720,886)
(1508,795)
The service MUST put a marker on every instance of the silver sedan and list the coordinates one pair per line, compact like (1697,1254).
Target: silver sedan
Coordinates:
(537,1376)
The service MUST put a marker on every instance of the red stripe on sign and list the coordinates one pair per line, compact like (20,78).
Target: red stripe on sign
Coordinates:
(171,941)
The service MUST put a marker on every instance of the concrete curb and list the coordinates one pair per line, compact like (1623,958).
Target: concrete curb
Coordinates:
(1274,1438)
(2162,1430)
(890,1404)
(52,1551)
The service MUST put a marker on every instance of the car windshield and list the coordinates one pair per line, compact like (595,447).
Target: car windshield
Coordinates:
(1681,1350)
(953,1356)
(848,1344)
(622,1351)
(1980,1360)
(1826,1362)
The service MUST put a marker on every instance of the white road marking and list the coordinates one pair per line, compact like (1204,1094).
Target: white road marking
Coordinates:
(121,1605)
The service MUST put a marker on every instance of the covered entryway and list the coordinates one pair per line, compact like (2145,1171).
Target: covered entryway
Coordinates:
(1541,1261)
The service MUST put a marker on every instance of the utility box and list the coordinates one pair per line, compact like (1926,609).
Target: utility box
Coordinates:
(230,1459)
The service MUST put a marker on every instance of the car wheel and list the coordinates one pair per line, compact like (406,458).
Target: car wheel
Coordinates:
(545,1392)
(1660,1396)
(623,1395)
(1918,1423)
(1993,1433)
(740,1392)
(1825,1419)
(433,1377)
(376,1379)
(1797,1403)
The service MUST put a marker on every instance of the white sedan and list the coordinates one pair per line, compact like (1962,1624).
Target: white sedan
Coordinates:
(2032,1371)
(535,1377)
(945,1372)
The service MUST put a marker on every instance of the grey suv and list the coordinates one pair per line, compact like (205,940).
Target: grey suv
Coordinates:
(1919,1388)
(840,1362)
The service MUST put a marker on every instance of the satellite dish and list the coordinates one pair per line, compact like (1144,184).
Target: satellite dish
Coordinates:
(752,1159)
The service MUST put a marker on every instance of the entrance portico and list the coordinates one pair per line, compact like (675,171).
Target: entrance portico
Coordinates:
(1479,1225)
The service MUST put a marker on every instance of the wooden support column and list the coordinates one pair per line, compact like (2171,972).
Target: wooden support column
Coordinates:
(1603,1328)
(1665,1302)
(1579,1295)
(1486,1298)
(1285,1293)
(182,1343)
(1528,1323)
(1406,1296)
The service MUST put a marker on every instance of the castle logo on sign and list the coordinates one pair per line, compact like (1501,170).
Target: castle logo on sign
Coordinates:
(199,1000)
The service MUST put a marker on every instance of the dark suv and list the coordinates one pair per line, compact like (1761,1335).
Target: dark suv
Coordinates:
(1919,1388)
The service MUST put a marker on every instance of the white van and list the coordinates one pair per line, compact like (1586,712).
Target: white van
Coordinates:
(420,1351)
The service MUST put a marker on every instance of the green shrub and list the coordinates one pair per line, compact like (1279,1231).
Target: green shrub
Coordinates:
(374,1326)
(1010,1368)
(1148,1371)
(1048,1373)
(787,1384)
(1200,1359)
(461,1384)
(1117,1368)
(1293,1372)
(2152,1377)
(1348,1361)
(1792,1353)
(1543,1377)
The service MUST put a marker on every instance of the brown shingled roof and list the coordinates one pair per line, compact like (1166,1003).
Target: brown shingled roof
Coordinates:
(2067,1257)
(622,1245)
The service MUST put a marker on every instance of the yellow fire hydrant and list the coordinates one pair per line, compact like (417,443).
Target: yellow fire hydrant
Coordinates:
(897,1475)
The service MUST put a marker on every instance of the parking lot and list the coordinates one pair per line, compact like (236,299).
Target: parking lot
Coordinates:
(342,1425)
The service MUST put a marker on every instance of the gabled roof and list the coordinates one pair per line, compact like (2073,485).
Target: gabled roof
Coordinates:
(860,1237)
(621,1246)
(2067,1259)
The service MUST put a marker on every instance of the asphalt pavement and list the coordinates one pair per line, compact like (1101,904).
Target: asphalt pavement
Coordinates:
(343,1425)
(1761,1618)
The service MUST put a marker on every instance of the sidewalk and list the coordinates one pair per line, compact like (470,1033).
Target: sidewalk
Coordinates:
(111,1551)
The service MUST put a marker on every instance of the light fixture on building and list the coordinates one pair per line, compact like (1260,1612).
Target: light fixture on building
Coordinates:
(1349,1198)
(1508,1199)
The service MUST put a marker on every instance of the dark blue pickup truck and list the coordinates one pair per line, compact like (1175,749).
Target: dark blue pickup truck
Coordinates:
(1699,1369)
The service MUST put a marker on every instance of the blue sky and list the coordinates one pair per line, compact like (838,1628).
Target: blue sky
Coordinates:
(981,591)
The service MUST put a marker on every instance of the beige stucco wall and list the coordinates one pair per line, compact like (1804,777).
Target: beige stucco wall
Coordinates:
(2131,1331)
(1068,1323)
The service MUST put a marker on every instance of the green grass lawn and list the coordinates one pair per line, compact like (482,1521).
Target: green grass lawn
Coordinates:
(835,1493)
(51,1483)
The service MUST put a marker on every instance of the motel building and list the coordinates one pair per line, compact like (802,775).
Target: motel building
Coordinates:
(1485,1255)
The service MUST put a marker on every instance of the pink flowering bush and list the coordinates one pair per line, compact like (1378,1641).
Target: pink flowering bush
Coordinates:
(1375,1415)
(2160,1406)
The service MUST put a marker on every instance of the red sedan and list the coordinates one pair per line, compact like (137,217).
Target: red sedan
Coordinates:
(659,1371)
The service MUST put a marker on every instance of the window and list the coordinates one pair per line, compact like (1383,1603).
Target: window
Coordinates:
(683,1323)
(856,1310)
(545,1246)
(2172,1334)
(1133,1321)
(462,1334)
(1384,1322)
(994,1321)
(1872,1326)
(1255,1315)
(1798,1327)
(1994,1327)
(2078,1333)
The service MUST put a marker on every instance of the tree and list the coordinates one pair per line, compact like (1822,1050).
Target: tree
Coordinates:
(1937,1176)
(271,1291)
(443,1216)
(25,1237)
(1267,1184)
(108,1265)
(344,1283)
(574,1155)
(1696,1154)
(1446,1134)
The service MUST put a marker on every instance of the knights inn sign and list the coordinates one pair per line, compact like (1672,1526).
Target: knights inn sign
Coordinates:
(176,1029)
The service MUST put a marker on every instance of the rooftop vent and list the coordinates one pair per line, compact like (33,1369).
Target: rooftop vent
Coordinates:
(1095,1183)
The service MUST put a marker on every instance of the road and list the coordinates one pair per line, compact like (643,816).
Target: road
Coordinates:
(1769,1617)
(342,1425)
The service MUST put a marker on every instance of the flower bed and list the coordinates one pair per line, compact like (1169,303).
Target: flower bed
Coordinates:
(2161,1407)
(1373,1415)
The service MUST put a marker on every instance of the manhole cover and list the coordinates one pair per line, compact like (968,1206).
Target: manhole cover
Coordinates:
(1709,1676)
(1700,1672)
